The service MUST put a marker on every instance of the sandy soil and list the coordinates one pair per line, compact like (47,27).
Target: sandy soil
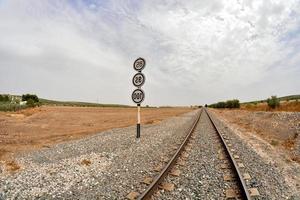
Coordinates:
(41,127)
(287,106)
(280,129)
(275,136)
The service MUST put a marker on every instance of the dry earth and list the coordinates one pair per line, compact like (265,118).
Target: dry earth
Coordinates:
(275,136)
(47,125)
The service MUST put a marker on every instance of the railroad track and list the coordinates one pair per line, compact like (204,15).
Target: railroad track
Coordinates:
(159,179)
(238,190)
(243,192)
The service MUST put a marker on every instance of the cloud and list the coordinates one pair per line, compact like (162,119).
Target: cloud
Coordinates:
(196,51)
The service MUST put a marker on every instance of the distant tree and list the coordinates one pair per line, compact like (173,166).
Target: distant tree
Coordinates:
(228,104)
(221,104)
(205,105)
(26,97)
(273,102)
(236,103)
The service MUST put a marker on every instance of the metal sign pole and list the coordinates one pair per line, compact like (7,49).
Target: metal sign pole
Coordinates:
(138,125)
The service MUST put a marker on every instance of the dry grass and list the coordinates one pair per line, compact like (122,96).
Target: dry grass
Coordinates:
(296,159)
(274,142)
(289,106)
(47,125)
(289,144)
(12,166)
(86,162)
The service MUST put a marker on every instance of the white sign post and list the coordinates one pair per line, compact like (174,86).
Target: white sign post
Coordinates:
(138,94)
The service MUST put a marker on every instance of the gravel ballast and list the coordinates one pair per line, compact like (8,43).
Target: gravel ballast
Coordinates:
(265,176)
(107,165)
(201,177)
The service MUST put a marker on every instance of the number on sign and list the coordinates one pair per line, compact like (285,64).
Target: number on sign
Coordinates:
(138,96)
(139,64)
(138,79)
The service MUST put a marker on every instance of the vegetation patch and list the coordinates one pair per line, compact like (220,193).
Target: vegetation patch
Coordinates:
(79,104)
(273,102)
(86,162)
(16,103)
(274,142)
(235,103)
(12,166)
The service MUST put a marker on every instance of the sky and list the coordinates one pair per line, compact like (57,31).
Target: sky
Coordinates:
(196,52)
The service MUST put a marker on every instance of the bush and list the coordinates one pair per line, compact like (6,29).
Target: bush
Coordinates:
(11,107)
(30,103)
(233,103)
(273,102)
(4,98)
(27,97)
(274,142)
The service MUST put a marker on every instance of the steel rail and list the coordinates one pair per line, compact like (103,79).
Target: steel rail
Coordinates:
(245,194)
(158,179)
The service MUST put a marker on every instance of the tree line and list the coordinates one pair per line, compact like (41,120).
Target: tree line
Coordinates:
(235,103)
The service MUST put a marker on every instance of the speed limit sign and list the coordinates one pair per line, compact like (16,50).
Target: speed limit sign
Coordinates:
(139,64)
(138,80)
(138,96)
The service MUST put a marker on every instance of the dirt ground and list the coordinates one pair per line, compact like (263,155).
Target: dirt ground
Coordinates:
(288,106)
(274,136)
(280,129)
(47,125)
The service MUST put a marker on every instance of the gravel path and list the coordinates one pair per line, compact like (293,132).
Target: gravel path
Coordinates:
(201,177)
(107,165)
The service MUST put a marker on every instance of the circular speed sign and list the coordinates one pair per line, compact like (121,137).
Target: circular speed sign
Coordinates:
(138,96)
(139,64)
(138,80)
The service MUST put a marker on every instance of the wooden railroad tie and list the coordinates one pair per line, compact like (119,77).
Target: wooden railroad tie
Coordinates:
(148,180)
(167,186)
(175,172)
(132,195)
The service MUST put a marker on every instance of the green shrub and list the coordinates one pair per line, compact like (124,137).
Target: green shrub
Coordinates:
(236,103)
(274,142)
(4,98)
(30,103)
(273,102)
(11,107)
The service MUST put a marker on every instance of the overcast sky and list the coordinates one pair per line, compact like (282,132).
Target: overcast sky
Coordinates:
(197,52)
